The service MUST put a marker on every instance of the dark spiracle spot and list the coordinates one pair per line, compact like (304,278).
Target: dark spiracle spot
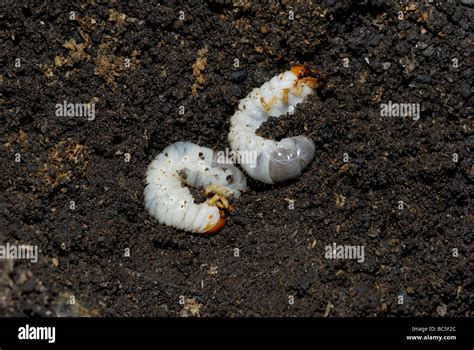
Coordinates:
(182,174)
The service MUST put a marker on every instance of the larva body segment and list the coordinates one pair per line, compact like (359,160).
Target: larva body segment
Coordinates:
(171,203)
(275,161)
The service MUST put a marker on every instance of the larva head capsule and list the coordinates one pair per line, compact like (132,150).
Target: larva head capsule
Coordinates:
(306,76)
(217,227)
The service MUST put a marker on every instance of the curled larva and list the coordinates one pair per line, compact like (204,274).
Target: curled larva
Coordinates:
(171,203)
(274,161)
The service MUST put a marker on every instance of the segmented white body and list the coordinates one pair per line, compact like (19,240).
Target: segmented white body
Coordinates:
(171,203)
(276,161)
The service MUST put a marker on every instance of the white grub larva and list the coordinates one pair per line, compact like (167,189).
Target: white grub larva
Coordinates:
(276,161)
(171,203)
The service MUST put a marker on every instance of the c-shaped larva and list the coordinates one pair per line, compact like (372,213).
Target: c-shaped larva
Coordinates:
(172,204)
(275,161)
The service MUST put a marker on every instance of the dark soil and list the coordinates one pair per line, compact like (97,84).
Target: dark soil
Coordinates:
(135,61)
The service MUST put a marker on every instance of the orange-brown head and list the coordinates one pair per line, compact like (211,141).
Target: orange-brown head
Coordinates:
(217,227)
(307,75)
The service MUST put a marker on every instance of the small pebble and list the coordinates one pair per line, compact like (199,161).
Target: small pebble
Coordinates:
(441,310)
(238,76)
(465,90)
(428,51)
(423,78)
(29,286)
